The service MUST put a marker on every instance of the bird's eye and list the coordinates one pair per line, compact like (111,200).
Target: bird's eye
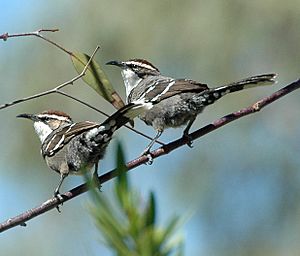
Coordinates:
(45,118)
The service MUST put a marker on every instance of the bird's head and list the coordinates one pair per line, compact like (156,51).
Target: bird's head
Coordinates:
(47,121)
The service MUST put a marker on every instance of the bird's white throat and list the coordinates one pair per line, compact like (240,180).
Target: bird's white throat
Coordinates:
(131,80)
(42,130)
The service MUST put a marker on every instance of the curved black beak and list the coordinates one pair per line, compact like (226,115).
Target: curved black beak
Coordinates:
(28,116)
(115,63)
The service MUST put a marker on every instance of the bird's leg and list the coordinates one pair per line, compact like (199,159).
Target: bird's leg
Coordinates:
(96,178)
(186,132)
(56,191)
(146,151)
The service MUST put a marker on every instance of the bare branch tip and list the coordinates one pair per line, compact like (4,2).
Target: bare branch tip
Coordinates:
(89,61)
(4,36)
(95,51)
(47,30)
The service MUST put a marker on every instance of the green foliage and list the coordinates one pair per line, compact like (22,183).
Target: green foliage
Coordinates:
(128,227)
(96,79)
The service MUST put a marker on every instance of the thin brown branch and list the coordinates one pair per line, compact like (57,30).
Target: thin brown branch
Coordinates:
(54,202)
(54,90)
(5,36)
(38,34)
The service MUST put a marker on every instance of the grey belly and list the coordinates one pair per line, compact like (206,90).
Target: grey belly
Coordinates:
(172,112)
(71,161)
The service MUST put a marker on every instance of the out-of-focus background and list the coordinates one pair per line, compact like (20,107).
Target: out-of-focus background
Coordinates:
(242,182)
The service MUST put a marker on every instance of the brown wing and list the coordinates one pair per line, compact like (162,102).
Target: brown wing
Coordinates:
(59,138)
(166,89)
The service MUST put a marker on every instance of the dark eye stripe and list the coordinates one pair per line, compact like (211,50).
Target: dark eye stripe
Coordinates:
(45,118)
(133,66)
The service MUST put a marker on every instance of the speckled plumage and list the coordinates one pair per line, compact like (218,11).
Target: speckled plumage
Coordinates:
(71,148)
(178,101)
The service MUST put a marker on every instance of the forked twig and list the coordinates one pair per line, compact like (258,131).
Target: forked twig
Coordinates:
(38,34)
(54,90)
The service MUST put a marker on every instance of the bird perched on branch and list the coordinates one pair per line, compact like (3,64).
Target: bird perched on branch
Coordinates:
(72,148)
(179,100)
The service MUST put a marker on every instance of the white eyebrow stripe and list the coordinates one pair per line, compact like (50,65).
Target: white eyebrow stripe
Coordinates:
(144,65)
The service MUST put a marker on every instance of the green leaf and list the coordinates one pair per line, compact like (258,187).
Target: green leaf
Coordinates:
(180,251)
(96,78)
(107,221)
(128,227)
(121,168)
(112,230)
(122,186)
(169,230)
(150,211)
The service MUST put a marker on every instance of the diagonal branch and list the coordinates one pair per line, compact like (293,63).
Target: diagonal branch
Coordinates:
(56,89)
(54,202)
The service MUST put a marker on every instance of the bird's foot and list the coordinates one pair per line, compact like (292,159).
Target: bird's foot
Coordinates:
(189,140)
(60,197)
(149,156)
(97,182)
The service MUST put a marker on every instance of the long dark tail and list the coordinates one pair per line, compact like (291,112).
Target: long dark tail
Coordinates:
(213,94)
(253,81)
(124,115)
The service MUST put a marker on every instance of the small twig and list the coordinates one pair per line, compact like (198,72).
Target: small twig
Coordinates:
(70,82)
(38,34)
(54,90)
(82,102)
(5,36)
(52,203)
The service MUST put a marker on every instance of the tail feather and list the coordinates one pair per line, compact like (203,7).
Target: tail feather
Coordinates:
(126,114)
(213,94)
(253,81)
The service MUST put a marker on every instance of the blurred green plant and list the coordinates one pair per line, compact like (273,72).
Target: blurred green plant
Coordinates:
(129,228)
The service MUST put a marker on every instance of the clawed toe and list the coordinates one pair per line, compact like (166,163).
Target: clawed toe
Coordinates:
(149,157)
(60,198)
(97,182)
